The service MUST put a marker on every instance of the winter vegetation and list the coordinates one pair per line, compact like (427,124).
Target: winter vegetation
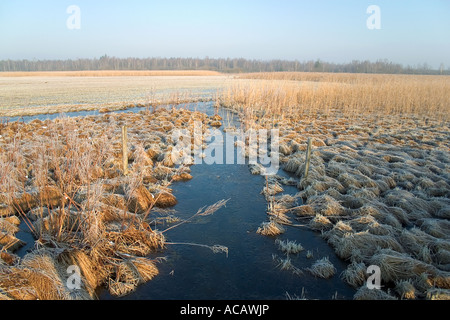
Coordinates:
(65,180)
(378,187)
(377,190)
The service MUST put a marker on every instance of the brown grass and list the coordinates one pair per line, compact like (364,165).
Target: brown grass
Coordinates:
(322,268)
(353,95)
(270,228)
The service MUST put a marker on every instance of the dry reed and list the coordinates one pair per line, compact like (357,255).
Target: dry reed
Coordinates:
(350,94)
(270,228)
(286,264)
(289,247)
(355,274)
(322,268)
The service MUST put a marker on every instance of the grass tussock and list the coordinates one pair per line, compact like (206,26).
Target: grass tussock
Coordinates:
(364,293)
(270,228)
(355,274)
(396,266)
(320,223)
(322,268)
(286,264)
(406,290)
(289,247)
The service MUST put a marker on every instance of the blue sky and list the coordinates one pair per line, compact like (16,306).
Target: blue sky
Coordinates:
(412,32)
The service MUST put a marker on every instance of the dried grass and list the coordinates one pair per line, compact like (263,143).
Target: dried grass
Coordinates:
(270,228)
(355,274)
(397,266)
(10,242)
(8,225)
(165,200)
(394,94)
(415,207)
(80,205)
(406,290)
(438,228)
(134,241)
(438,294)
(326,206)
(146,268)
(320,223)
(371,177)
(304,211)
(93,271)
(272,188)
(338,231)
(286,264)
(38,277)
(289,247)
(124,281)
(322,268)
(363,245)
(365,293)
(129,274)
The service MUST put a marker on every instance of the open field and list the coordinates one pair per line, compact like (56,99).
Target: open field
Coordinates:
(68,92)
(112,73)
(377,189)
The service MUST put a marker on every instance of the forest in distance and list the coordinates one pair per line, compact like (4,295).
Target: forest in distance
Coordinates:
(225,65)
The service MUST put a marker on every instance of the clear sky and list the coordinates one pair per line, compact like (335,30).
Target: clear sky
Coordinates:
(412,32)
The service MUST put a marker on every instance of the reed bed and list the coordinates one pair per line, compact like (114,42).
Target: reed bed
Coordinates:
(378,188)
(65,180)
(350,94)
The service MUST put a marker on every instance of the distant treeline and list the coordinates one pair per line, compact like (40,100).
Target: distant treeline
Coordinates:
(228,65)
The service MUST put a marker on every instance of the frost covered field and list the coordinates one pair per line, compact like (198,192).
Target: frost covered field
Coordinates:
(55,92)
